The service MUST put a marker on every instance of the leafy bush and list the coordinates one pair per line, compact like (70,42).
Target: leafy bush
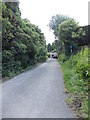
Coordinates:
(62,58)
(82,64)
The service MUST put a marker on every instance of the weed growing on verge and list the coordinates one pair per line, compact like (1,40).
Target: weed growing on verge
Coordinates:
(76,77)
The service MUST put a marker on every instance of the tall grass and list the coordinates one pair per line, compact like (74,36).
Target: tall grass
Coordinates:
(76,77)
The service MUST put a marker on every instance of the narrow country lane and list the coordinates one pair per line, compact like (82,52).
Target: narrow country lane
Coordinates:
(38,93)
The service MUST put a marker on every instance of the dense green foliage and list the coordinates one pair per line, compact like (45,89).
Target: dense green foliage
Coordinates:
(49,47)
(55,21)
(68,34)
(76,76)
(23,43)
(66,30)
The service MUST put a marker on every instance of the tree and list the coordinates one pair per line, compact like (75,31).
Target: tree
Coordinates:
(55,21)
(23,43)
(65,34)
(80,35)
(49,47)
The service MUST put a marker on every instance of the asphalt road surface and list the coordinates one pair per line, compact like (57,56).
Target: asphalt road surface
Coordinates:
(38,93)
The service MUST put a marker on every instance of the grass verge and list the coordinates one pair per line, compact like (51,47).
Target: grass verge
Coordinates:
(76,76)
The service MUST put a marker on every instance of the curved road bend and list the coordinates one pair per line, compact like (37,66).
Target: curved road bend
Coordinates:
(37,93)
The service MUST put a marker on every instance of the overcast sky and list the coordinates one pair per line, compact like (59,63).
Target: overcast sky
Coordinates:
(39,12)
